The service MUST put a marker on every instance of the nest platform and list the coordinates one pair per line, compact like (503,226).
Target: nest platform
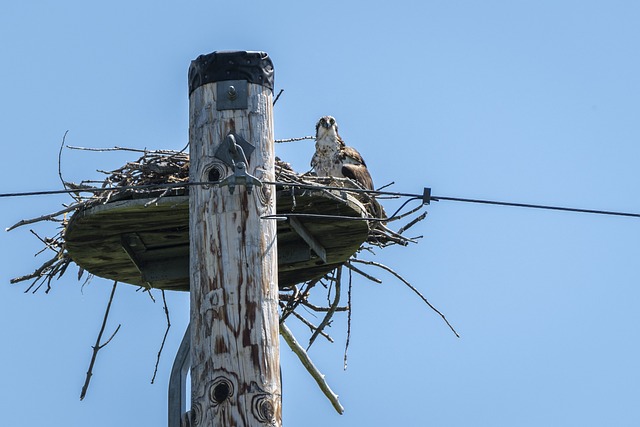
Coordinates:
(143,239)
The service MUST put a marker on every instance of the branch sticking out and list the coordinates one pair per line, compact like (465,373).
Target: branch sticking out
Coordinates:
(97,347)
(311,368)
(164,339)
(332,308)
(44,217)
(279,141)
(410,286)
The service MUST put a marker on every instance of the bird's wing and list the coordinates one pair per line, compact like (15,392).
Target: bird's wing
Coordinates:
(350,155)
(358,173)
(354,167)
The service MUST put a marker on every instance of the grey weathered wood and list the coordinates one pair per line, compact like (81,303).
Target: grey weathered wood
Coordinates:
(235,373)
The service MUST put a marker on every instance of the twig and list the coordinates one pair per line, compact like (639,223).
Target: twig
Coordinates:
(322,309)
(154,201)
(385,186)
(412,223)
(36,274)
(278,96)
(64,184)
(410,286)
(406,214)
(332,309)
(310,367)
(292,303)
(45,217)
(395,216)
(166,332)
(297,298)
(46,242)
(135,150)
(98,346)
(346,345)
(311,326)
(351,267)
(294,139)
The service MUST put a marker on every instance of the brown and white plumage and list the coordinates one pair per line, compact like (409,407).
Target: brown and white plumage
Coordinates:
(334,158)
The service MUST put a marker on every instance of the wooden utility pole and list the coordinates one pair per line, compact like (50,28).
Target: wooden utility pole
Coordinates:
(235,366)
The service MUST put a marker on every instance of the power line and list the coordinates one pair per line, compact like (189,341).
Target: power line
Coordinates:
(426,196)
(532,206)
(98,190)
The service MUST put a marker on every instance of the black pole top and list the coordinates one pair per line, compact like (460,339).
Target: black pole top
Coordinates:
(254,67)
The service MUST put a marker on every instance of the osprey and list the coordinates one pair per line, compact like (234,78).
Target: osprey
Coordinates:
(334,158)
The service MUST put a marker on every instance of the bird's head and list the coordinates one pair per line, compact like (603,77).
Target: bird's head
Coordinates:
(326,126)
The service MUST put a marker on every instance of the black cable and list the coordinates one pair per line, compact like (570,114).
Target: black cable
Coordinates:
(103,190)
(425,196)
(532,206)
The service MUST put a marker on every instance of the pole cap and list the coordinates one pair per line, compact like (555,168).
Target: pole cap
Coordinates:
(254,67)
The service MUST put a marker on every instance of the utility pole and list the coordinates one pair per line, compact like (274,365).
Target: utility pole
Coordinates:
(235,365)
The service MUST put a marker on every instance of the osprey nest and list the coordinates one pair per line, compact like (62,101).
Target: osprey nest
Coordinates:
(132,227)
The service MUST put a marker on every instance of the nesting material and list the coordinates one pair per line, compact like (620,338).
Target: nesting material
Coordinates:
(133,227)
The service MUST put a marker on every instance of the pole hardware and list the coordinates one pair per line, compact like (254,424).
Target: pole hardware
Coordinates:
(240,177)
(309,238)
(251,66)
(426,196)
(177,405)
(232,153)
(232,95)
(233,149)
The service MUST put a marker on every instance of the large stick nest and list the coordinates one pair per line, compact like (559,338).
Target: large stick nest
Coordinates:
(162,173)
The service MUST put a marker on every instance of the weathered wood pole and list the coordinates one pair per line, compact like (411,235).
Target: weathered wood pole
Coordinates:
(235,371)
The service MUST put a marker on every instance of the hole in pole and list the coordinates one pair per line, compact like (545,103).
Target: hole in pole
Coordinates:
(214,175)
(221,392)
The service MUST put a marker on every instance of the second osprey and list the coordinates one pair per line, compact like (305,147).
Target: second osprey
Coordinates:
(334,158)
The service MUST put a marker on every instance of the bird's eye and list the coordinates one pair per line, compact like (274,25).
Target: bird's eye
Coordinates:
(332,121)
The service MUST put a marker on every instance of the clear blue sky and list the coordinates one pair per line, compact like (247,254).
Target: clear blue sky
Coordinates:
(525,101)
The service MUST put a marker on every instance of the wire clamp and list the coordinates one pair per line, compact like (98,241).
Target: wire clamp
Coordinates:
(232,152)
(426,195)
(240,177)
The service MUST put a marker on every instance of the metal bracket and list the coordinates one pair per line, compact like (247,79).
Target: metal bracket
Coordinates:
(152,267)
(178,381)
(234,148)
(133,246)
(313,243)
(232,152)
(232,95)
(240,177)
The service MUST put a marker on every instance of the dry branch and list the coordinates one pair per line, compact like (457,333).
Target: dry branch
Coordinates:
(346,344)
(311,368)
(410,286)
(310,325)
(278,96)
(97,347)
(45,217)
(332,308)
(164,339)
(294,139)
(351,267)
